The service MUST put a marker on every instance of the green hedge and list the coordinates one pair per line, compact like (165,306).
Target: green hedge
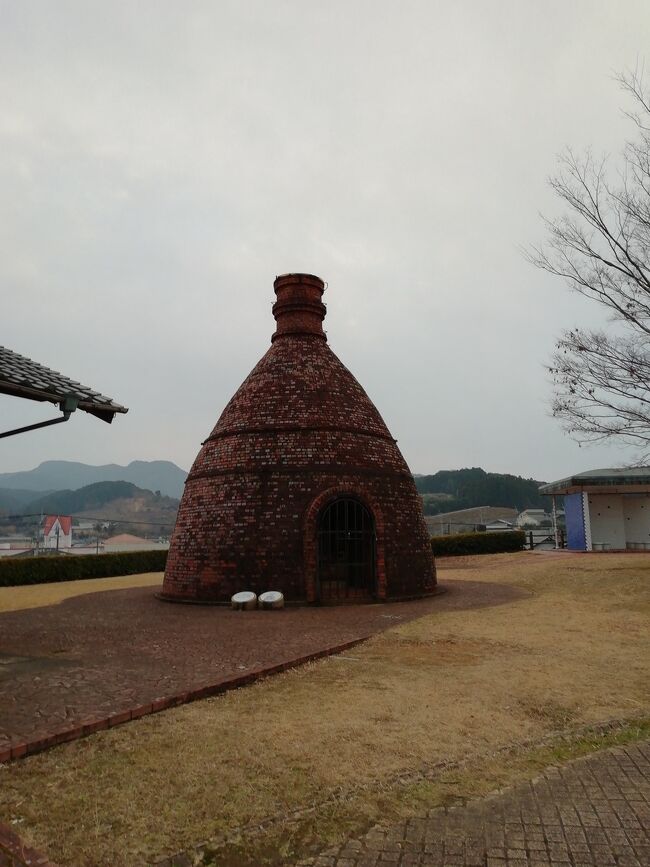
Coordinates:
(15,571)
(478,543)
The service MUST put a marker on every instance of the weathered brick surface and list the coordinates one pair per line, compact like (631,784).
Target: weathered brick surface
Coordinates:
(298,433)
(594,812)
(15,853)
(93,661)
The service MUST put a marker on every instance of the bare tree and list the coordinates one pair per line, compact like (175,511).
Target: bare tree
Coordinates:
(601,246)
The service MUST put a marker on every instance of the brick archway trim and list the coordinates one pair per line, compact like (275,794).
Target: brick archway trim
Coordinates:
(310,537)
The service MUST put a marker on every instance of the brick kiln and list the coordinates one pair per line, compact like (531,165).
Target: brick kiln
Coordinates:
(300,487)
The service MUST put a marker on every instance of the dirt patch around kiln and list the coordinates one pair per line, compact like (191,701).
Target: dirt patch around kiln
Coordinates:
(124,649)
(570,649)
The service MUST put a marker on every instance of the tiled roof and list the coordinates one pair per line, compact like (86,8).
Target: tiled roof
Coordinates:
(22,377)
(65,522)
(125,538)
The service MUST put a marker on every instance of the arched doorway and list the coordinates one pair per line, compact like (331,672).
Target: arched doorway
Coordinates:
(346,552)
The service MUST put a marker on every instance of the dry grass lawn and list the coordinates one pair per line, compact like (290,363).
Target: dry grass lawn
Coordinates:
(37,595)
(447,686)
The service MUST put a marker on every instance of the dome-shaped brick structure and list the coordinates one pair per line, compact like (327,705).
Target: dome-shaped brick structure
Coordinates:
(300,487)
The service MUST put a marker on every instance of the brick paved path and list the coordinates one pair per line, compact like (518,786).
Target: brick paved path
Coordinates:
(594,812)
(14,853)
(103,654)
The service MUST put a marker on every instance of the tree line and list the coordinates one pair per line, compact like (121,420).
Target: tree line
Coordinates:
(466,488)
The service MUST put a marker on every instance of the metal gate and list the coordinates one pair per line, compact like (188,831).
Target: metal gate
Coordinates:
(346,552)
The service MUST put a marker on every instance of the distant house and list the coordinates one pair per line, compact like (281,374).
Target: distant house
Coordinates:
(124,539)
(498,526)
(57,532)
(128,542)
(532,518)
(469,520)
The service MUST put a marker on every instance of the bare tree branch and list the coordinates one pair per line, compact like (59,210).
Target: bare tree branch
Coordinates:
(601,247)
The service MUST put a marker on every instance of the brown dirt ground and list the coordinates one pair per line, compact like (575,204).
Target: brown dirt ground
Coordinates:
(450,685)
(97,654)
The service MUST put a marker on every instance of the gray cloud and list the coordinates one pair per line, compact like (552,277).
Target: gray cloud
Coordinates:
(162,162)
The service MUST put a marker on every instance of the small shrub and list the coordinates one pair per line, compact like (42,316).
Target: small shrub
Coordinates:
(16,571)
(478,543)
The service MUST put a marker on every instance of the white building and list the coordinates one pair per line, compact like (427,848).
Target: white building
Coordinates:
(606,510)
(532,518)
(498,526)
(57,532)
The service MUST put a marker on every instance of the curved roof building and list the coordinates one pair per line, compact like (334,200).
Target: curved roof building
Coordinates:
(300,487)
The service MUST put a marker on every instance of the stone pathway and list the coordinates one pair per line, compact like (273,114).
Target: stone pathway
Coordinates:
(104,658)
(594,812)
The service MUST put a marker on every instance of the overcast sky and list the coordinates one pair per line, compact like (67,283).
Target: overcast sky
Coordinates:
(161,162)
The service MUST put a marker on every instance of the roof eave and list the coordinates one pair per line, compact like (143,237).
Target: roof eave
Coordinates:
(565,487)
(105,413)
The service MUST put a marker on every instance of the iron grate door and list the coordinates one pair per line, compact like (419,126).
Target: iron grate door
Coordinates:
(346,551)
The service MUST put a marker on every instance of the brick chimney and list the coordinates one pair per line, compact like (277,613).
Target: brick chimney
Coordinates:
(299,309)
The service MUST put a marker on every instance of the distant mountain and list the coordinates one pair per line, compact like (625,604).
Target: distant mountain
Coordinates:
(121,503)
(90,497)
(14,500)
(449,490)
(163,476)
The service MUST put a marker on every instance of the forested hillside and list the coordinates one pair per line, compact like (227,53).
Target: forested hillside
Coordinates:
(448,490)
(94,497)
(71,502)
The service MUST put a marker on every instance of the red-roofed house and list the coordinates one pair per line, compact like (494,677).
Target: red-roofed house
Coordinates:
(57,531)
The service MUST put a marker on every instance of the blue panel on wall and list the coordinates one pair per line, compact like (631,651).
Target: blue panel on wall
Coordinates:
(575,523)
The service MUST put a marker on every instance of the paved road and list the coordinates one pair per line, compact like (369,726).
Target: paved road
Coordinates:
(594,812)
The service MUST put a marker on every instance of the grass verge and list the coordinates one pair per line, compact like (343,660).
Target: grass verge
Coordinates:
(331,824)
(38,595)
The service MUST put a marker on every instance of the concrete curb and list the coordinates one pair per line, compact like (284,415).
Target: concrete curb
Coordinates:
(19,853)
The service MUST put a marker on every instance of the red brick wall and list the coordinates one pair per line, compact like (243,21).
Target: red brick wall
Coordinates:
(299,431)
